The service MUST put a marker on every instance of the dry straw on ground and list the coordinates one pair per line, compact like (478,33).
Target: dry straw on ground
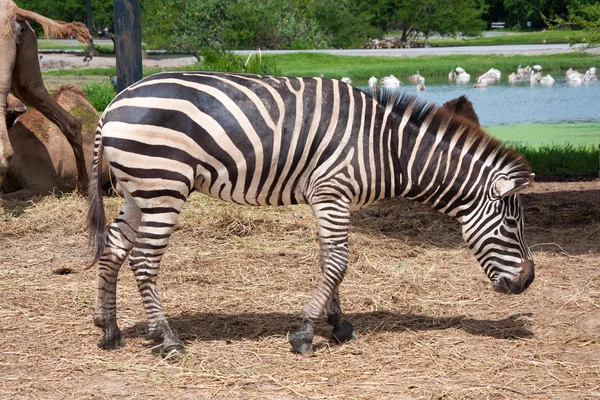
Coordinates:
(234,279)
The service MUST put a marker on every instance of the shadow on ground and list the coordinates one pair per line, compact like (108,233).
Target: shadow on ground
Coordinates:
(551,218)
(220,326)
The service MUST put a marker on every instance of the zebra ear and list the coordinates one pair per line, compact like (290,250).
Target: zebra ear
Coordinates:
(506,186)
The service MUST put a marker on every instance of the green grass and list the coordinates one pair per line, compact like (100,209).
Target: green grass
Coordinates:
(552,36)
(361,68)
(49,44)
(82,72)
(561,162)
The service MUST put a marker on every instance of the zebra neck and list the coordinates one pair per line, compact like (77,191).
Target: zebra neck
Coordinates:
(441,174)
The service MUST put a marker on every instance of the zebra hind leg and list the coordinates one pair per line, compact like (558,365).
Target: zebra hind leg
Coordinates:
(333,217)
(119,242)
(152,239)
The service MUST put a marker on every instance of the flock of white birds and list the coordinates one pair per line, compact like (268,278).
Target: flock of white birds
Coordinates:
(532,74)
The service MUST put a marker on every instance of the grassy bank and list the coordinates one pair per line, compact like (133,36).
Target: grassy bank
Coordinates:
(332,66)
(563,151)
(561,162)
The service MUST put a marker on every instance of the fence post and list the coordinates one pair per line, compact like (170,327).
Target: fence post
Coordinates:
(128,42)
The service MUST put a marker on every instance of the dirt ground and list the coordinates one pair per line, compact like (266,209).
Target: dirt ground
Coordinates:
(234,278)
(52,61)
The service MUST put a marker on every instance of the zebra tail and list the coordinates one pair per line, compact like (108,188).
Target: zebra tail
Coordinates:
(96,219)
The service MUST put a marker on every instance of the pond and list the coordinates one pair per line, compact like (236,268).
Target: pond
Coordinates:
(519,103)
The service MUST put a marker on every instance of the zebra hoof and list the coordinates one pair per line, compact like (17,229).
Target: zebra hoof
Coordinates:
(343,332)
(301,342)
(112,339)
(172,350)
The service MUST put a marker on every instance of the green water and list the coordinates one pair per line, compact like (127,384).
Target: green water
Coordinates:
(585,133)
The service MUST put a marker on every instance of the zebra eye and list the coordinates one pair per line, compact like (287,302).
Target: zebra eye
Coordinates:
(512,223)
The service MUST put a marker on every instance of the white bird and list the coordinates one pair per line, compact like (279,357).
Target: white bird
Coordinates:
(494,72)
(414,78)
(488,77)
(421,85)
(372,82)
(524,72)
(463,77)
(452,76)
(535,78)
(459,70)
(514,77)
(547,80)
(592,76)
(390,81)
(537,67)
(481,83)
(574,76)
(570,72)
(346,80)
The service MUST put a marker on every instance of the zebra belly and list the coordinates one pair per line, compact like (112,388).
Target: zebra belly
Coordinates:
(157,158)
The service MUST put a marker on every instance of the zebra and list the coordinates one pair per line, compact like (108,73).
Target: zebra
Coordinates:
(265,140)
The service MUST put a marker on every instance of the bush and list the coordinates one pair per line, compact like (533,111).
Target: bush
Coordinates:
(199,23)
(270,24)
(100,94)
(223,60)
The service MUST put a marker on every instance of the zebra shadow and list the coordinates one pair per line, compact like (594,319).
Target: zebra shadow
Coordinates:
(254,326)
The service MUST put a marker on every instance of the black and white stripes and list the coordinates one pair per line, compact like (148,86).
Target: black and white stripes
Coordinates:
(262,140)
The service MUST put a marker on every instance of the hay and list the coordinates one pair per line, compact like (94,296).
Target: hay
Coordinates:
(234,279)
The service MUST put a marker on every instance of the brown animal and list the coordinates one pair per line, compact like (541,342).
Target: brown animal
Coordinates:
(20,72)
(14,108)
(463,107)
(43,162)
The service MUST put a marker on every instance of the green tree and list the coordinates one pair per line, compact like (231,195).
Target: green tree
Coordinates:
(581,16)
(446,17)
(516,13)
(347,23)
(198,22)
(159,17)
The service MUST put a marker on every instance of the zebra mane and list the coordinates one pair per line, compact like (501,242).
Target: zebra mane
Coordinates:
(504,158)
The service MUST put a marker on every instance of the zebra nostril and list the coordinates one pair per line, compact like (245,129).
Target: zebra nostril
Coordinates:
(527,274)
(528,281)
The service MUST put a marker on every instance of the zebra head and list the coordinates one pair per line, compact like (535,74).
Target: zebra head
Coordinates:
(494,232)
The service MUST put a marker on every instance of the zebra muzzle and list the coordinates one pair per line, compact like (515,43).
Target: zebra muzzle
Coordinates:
(520,283)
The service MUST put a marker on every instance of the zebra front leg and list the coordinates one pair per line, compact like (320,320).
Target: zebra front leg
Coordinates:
(342,330)
(119,241)
(333,218)
(151,242)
